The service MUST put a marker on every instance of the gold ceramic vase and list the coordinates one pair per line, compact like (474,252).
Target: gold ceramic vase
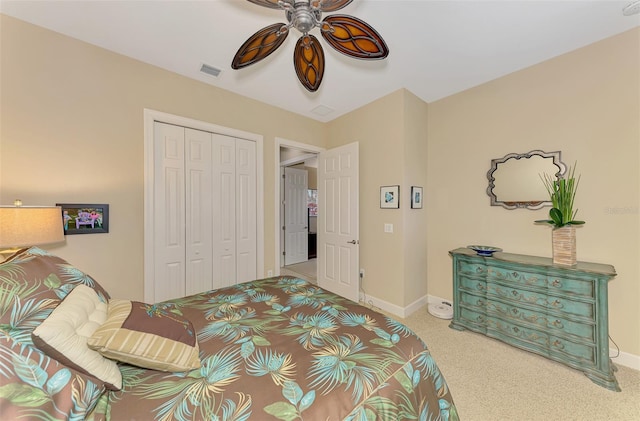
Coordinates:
(564,245)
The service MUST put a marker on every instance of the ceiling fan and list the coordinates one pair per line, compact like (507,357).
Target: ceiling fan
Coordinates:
(347,34)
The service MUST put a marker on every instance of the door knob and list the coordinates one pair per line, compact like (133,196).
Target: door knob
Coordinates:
(352,242)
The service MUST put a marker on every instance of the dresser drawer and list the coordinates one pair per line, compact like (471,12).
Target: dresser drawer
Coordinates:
(520,297)
(541,342)
(553,325)
(472,301)
(545,282)
(472,319)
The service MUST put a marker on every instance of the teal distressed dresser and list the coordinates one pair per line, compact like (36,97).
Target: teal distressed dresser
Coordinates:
(558,312)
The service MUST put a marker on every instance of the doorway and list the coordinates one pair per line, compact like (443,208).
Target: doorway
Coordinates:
(296,157)
(338,216)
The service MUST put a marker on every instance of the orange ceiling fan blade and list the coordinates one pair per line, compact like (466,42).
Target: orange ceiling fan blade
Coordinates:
(353,37)
(308,60)
(330,5)
(260,45)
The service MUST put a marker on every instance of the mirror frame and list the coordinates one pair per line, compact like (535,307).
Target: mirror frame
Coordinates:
(527,205)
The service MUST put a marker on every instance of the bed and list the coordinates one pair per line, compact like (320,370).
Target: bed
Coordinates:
(270,349)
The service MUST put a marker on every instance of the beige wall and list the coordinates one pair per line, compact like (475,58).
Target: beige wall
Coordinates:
(585,104)
(71,131)
(379,129)
(415,220)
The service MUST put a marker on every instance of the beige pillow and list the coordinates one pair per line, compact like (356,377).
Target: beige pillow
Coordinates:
(146,335)
(63,336)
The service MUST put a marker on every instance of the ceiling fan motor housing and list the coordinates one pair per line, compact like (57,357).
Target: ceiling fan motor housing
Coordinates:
(303,18)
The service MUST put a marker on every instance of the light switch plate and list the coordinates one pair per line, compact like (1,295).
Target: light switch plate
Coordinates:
(388,227)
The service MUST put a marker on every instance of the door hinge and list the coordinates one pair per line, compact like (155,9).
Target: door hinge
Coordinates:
(284,228)
(284,253)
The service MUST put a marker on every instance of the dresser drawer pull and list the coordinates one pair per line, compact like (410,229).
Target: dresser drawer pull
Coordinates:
(558,344)
(556,304)
(481,287)
(558,324)
(557,283)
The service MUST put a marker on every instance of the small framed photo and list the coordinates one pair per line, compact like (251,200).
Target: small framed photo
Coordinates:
(416,197)
(389,197)
(84,218)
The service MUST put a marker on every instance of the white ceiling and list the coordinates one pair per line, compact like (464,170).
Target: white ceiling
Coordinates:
(437,48)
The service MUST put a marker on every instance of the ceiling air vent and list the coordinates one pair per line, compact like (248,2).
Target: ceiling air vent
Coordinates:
(210,70)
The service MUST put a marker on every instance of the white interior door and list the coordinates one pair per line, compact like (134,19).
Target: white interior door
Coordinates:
(205,211)
(296,232)
(224,214)
(198,223)
(338,221)
(169,205)
(246,211)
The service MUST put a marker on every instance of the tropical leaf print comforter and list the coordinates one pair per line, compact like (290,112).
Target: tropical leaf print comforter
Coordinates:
(284,349)
(272,349)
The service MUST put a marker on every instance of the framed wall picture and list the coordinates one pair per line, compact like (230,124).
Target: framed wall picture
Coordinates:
(84,218)
(389,197)
(416,197)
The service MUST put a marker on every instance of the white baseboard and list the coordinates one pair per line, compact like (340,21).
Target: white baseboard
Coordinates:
(626,359)
(394,309)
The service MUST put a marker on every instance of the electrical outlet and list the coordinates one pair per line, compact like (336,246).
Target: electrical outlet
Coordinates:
(269,273)
(361,273)
(388,227)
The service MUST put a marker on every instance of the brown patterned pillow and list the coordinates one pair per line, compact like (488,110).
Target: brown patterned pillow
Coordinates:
(35,282)
(153,336)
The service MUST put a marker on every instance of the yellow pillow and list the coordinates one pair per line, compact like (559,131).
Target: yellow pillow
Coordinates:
(147,335)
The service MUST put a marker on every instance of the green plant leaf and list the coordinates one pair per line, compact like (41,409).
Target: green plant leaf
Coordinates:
(546,221)
(556,215)
(562,193)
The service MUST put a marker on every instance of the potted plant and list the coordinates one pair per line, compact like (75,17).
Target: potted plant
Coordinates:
(562,191)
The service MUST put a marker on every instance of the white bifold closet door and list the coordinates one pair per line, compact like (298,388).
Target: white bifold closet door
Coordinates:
(205,211)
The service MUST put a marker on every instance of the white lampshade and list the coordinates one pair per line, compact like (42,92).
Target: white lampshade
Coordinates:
(22,226)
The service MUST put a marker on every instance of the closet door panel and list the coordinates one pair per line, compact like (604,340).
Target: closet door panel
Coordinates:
(199,241)
(224,212)
(169,205)
(246,211)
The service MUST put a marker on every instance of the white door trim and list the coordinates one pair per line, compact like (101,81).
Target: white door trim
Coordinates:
(277,183)
(151,116)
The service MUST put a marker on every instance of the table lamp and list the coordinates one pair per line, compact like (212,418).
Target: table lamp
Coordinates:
(24,226)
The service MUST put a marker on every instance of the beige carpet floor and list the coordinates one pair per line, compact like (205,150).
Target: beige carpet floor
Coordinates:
(305,270)
(490,380)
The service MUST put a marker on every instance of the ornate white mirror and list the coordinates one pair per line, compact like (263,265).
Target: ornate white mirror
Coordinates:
(514,180)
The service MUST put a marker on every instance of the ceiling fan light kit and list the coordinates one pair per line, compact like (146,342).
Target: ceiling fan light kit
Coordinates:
(346,34)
